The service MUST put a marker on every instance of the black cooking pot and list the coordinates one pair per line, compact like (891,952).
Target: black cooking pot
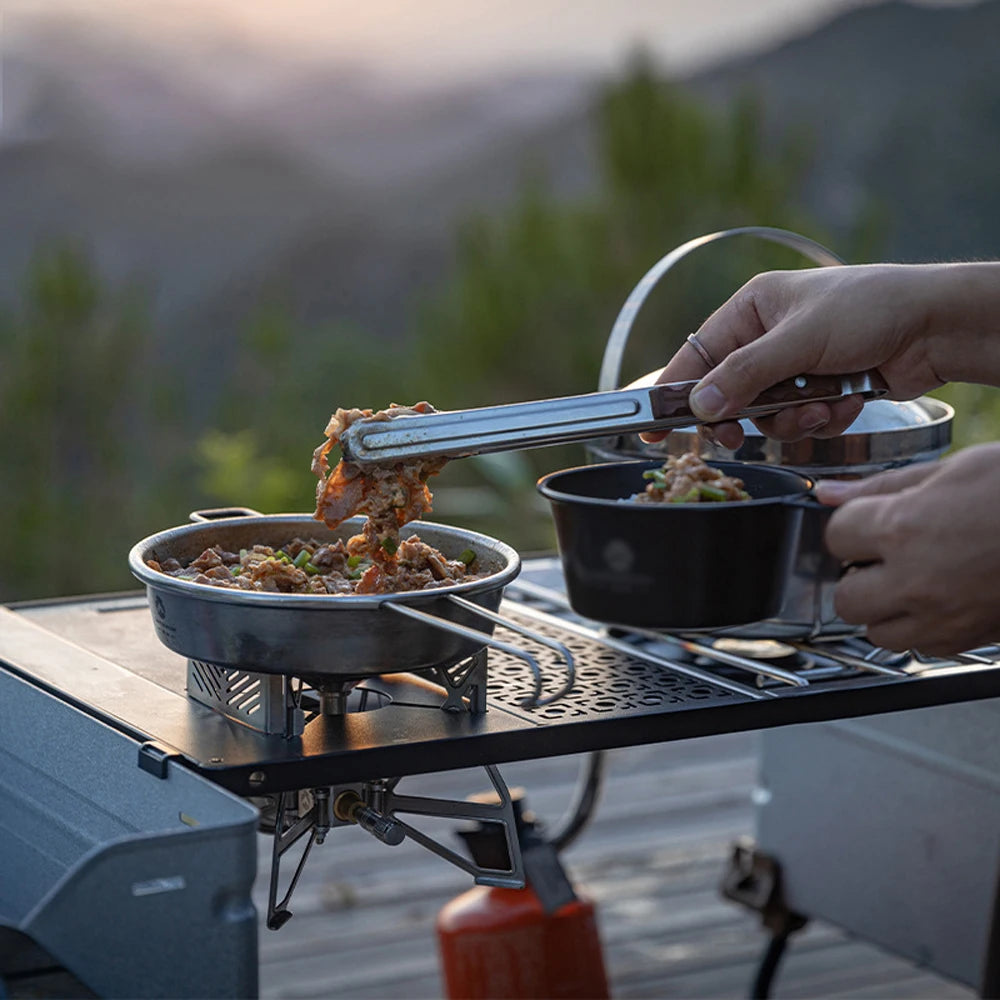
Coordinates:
(676,566)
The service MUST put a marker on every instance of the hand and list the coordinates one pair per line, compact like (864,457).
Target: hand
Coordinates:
(928,550)
(917,325)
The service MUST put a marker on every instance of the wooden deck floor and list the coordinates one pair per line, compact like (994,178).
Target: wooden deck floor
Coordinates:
(651,859)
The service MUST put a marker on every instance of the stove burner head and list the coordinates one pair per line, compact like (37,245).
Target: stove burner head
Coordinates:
(330,696)
(769,651)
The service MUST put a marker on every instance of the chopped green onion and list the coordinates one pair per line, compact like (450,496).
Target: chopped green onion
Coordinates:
(235,570)
(310,569)
(301,559)
(390,546)
(657,474)
(467,556)
(689,497)
(709,492)
(354,561)
(243,555)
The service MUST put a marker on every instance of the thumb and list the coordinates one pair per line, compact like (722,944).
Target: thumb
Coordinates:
(835,492)
(747,371)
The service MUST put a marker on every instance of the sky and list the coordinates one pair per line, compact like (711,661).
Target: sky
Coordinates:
(438,41)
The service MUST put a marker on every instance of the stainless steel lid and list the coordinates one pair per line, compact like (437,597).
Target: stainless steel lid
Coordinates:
(886,434)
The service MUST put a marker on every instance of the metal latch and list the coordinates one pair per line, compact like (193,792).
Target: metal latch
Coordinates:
(153,758)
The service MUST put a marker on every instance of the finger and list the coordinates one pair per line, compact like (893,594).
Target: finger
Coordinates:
(864,596)
(898,634)
(811,420)
(735,323)
(843,413)
(749,370)
(729,434)
(853,533)
(837,491)
(686,365)
(796,422)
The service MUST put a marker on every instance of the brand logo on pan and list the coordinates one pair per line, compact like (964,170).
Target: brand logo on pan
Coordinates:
(161,611)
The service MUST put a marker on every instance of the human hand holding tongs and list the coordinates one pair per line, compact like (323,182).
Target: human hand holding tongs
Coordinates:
(512,426)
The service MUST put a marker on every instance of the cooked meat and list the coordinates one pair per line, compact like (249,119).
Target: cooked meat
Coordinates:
(374,561)
(391,496)
(687,479)
(309,566)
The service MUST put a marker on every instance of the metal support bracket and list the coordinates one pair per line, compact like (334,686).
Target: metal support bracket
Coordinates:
(374,806)
(464,684)
(501,812)
(753,879)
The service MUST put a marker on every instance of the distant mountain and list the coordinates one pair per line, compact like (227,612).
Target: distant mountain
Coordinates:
(338,192)
(329,187)
(903,103)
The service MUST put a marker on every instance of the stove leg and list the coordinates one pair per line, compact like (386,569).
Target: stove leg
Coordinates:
(753,880)
(761,988)
(316,826)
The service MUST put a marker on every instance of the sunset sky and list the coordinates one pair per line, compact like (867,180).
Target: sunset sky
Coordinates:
(437,40)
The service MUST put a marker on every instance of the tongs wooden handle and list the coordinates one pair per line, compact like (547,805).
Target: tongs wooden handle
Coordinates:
(459,433)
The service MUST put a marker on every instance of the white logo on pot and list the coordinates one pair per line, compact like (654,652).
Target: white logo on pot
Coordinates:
(618,556)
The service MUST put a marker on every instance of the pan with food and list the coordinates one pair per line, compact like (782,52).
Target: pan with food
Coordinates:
(332,594)
(318,633)
(695,546)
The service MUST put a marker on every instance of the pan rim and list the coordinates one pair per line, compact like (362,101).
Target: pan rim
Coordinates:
(230,595)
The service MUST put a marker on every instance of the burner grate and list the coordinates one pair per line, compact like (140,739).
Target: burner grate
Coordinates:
(609,680)
(261,701)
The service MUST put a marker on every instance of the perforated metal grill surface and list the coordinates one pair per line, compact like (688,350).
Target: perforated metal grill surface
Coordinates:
(608,681)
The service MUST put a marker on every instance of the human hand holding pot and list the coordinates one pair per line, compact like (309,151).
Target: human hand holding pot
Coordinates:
(917,325)
(923,550)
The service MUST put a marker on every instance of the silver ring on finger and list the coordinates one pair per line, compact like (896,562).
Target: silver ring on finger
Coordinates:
(692,339)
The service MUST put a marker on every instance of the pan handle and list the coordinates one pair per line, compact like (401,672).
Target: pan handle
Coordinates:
(536,699)
(559,648)
(217,513)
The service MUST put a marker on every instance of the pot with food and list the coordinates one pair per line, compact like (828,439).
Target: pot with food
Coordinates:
(683,545)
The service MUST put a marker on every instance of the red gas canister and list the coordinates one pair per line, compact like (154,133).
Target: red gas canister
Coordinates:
(539,942)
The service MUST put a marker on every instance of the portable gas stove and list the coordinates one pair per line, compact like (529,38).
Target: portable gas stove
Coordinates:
(311,760)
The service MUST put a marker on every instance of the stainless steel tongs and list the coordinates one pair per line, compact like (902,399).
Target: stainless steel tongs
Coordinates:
(459,433)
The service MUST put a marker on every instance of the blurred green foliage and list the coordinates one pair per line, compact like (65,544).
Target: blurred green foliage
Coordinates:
(977,409)
(102,440)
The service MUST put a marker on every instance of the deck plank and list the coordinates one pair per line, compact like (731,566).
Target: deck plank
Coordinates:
(651,859)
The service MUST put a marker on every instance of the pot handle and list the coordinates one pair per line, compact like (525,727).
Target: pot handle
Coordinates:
(614,351)
(218,513)
(815,516)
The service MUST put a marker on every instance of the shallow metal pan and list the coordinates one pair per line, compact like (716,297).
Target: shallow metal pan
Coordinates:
(350,636)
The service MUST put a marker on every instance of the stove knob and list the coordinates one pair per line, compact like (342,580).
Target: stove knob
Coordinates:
(349,807)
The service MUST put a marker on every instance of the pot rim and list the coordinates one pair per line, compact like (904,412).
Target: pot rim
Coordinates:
(551,493)
(267,599)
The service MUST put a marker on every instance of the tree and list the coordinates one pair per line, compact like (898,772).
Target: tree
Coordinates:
(70,419)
